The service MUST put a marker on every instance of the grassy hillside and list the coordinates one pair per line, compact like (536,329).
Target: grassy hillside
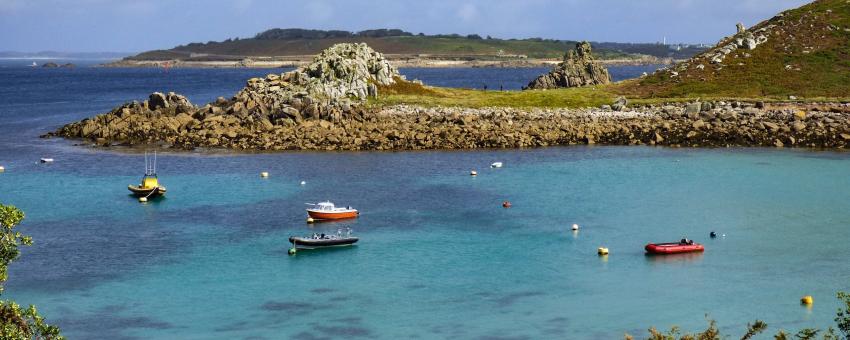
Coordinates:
(403,92)
(309,42)
(807,54)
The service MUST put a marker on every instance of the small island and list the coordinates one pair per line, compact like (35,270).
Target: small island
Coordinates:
(351,97)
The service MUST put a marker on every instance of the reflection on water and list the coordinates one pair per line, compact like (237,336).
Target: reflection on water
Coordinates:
(662,259)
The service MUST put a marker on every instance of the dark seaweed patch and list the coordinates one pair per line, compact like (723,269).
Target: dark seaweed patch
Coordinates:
(309,336)
(510,299)
(503,337)
(321,290)
(292,307)
(345,331)
(109,326)
(351,319)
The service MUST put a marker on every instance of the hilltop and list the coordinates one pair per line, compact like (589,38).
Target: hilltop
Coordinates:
(299,45)
(802,52)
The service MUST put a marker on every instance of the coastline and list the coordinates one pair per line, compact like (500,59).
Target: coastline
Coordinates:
(407,127)
(400,61)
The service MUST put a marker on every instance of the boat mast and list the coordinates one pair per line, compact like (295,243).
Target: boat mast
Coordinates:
(150,165)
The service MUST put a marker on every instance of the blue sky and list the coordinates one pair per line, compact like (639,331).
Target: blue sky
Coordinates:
(138,25)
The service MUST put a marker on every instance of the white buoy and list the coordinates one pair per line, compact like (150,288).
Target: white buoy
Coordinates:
(473,173)
(303,182)
(264,174)
(575,226)
(143,199)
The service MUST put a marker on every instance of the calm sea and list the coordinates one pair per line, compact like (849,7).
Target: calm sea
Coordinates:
(438,258)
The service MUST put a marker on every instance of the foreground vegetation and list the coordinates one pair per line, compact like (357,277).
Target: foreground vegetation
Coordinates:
(842,321)
(17,322)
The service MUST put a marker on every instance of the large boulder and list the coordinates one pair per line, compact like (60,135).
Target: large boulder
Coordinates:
(579,68)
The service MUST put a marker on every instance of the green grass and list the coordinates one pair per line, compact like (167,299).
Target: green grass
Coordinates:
(824,71)
(410,93)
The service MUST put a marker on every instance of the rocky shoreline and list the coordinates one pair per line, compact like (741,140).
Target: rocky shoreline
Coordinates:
(707,124)
(401,62)
(324,106)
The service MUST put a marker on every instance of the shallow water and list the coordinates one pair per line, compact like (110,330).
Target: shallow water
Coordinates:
(439,257)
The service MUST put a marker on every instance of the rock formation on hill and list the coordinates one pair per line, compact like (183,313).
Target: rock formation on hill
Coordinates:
(799,53)
(579,68)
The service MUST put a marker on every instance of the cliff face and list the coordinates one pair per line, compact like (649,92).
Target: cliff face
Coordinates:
(579,68)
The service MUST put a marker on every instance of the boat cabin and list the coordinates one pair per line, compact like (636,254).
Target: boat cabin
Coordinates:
(149,181)
(325,206)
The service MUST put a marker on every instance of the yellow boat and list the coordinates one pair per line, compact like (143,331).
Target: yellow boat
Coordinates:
(150,186)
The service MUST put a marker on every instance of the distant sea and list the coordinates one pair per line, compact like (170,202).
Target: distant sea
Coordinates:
(439,257)
(494,78)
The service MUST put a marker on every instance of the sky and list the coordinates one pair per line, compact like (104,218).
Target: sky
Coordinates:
(140,25)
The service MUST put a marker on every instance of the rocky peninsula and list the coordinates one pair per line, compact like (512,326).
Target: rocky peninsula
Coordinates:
(402,127)
(325,106)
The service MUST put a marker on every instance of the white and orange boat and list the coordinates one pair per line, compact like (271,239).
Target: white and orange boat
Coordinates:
(327,211)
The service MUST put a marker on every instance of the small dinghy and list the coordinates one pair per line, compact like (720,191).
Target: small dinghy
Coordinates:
(496,165)
(321,240)
(327,211)
(150,186)
(683,246)
(47,160)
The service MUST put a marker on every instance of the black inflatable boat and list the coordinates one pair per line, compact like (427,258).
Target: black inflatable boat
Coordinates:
(322,240)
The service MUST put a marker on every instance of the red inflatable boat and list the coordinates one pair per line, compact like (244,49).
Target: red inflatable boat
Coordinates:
(673,248)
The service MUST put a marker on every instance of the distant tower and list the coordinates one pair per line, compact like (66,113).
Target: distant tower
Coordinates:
(665,41)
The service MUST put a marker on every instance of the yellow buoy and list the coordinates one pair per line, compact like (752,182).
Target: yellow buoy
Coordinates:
(602,251)
(264,174)
(807,300)
(310,220)
(473,173)
(575,226)
(143,199)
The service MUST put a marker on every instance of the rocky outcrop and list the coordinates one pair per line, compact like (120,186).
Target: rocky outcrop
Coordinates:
(711,124)
(329,88)
(743,39)
(579,68)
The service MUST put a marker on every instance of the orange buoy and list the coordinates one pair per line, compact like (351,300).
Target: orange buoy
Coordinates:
(506,204)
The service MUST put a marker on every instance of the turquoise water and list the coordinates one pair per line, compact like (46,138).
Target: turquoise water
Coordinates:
(438,258)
